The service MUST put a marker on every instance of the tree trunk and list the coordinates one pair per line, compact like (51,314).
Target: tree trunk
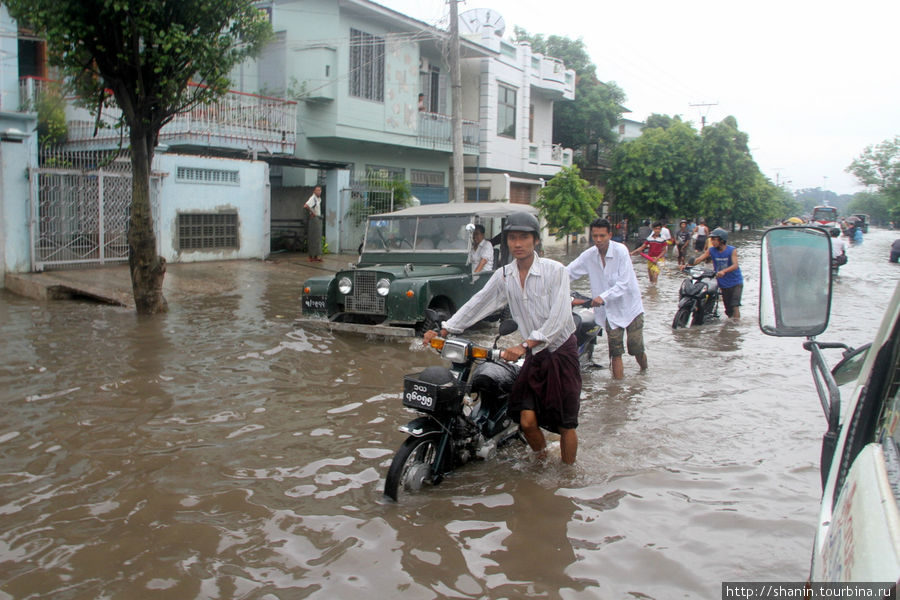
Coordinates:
(147,268)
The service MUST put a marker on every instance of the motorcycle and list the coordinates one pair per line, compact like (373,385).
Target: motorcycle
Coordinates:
(586,330)
(698,298)
(463,412)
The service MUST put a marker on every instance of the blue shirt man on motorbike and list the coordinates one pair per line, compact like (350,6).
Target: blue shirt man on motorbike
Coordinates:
(728,273)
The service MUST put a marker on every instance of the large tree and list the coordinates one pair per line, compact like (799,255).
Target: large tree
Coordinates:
(655,174)
(146,52)
(879,168)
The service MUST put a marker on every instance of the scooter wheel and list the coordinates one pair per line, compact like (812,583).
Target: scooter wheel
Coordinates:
(681,318)
(413,465)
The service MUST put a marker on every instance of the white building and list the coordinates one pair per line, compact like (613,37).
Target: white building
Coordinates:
(511,94)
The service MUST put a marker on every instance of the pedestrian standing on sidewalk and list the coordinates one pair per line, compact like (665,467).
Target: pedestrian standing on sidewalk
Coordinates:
(314,224)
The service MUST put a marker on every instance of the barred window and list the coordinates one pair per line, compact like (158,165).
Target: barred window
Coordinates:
(366,65)
(382,172)
(419,177)
(214,176)
(506,111)
(207,231)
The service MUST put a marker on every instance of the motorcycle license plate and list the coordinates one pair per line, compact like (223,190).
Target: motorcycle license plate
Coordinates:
(420,395)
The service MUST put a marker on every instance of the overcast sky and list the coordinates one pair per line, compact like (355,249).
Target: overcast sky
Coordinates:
(811,83)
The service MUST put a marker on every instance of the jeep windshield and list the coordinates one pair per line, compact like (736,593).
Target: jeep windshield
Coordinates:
(418,234)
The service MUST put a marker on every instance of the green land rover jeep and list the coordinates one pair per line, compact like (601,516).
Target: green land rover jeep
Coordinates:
(412,259)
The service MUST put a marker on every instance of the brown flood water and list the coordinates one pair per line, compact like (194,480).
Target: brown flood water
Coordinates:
(219,452)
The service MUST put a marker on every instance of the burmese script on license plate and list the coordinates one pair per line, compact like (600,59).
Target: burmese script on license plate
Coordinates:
(419,395)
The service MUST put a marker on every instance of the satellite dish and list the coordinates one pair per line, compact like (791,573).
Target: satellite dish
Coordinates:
(474,20)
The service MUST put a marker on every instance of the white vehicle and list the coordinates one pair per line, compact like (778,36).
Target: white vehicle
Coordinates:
(858,535)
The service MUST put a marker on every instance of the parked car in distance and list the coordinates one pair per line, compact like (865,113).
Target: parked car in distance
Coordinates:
(858,531)
(411,260)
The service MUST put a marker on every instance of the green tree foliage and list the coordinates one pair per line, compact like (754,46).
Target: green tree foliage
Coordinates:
(568,203)
(672,170)
(727,173)
(146,52)
(875,204)
(597,106)
(879,168)
(655,174)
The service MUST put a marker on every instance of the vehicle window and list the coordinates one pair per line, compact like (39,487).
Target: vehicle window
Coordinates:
(890,417)
(385,235)
(448,233)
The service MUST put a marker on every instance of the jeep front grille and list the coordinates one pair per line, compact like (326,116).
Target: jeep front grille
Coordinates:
(363,298)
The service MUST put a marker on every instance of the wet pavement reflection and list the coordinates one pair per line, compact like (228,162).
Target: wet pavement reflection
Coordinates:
(219,452)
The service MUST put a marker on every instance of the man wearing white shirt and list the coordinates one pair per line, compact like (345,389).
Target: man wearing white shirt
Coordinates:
(616,295)
(481,256)
(547,390)
(314,224)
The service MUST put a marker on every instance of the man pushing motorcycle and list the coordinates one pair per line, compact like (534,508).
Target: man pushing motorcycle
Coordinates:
(728,272)
(547,391)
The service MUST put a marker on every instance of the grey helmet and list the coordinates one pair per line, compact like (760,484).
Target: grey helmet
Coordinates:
(523,221)
(719,233)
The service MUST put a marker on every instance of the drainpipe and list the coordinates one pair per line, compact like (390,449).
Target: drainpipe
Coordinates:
(506,186)
(478,177)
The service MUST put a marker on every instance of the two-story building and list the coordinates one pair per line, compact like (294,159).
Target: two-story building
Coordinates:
(512,93)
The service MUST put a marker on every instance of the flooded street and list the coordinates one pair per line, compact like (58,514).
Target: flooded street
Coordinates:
(219,452)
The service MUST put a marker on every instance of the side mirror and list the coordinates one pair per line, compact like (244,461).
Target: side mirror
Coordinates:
(795,281)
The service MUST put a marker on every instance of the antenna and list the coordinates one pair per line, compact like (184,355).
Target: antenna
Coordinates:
(703,116)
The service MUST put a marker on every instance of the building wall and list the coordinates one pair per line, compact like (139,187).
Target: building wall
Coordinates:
(250,199)
(9,70)
(16,156)
(517,67)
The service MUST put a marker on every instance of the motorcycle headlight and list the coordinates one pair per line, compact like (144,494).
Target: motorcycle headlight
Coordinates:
(383,286)
(454,351)
(345,285)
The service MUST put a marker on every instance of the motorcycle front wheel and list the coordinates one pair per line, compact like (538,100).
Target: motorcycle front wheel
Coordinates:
(412,465)
(681,317)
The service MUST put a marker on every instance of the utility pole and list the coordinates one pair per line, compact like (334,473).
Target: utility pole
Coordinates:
(703,117)
(456,102)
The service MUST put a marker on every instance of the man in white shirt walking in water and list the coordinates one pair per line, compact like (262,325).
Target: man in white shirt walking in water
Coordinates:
(547,391)
(616,295)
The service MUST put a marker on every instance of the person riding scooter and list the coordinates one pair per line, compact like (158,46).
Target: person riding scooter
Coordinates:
(728,273)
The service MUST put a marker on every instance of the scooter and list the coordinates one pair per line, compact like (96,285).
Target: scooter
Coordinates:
(462,412)
(698,298)
(586,330)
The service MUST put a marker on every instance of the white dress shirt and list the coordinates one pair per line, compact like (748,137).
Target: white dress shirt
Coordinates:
(616,283)
(484,250)
(315,205)
(542,309)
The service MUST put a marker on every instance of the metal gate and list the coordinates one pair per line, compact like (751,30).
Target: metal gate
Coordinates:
(80,211)
(364,197)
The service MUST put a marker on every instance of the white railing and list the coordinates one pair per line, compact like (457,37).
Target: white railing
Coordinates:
(436,131)
(32,89)
(236,119)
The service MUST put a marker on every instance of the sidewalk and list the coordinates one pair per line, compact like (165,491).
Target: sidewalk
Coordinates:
(112,285)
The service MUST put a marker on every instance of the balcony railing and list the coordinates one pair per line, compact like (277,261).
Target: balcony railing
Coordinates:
(237,120)
(554,155)
(436,131)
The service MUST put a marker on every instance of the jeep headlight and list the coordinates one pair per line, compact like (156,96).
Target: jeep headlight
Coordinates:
(383,286)
(345,285)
